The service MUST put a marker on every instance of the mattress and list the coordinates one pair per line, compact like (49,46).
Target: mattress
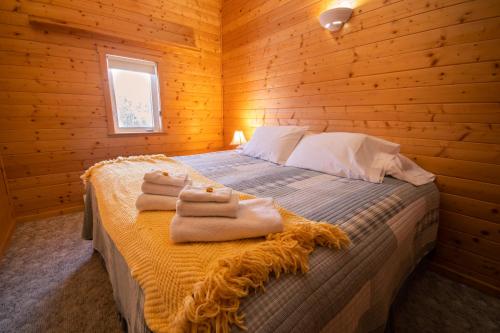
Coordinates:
(392,225)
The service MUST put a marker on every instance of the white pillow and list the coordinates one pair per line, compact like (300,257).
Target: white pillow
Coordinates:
(403,168)
(350,155)
(274,143)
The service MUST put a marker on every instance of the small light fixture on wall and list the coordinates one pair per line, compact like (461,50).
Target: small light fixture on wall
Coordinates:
(238,138)
(333,19)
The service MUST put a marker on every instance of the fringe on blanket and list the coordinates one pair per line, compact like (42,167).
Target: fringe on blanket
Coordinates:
(214,303)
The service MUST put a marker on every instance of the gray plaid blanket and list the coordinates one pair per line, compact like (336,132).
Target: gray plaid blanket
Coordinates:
(306,303)
(344,291)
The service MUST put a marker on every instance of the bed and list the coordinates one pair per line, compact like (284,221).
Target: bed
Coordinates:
(392,226)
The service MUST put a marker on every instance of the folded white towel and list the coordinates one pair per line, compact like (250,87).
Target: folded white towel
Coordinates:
(150,188)
(155,202)
(166,178)
(256,217)
(225,209)
(200,194)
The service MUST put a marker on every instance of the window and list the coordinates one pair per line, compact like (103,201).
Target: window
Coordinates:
(135,96)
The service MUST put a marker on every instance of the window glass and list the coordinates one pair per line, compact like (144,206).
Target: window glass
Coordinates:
(133,98)
(134,93)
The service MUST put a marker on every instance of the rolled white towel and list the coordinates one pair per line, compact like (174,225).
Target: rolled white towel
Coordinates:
(150,188)
(223,209)
(155,202)
(256,217)
(205,194)
(166,178)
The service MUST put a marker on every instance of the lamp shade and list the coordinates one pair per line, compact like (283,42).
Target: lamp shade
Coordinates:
(333,19)
(238,138)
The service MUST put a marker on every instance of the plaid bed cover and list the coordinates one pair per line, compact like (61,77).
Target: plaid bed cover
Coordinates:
(309,303)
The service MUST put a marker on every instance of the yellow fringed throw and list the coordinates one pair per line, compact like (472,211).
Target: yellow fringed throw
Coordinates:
(197,286)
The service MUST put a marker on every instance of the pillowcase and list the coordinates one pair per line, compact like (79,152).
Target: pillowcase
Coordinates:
(350,155)
(357,156)
(401,167)
(274,143)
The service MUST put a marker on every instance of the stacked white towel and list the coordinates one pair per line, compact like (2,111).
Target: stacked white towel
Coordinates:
(216,214)
(160,190)
(206,201)
(206,194)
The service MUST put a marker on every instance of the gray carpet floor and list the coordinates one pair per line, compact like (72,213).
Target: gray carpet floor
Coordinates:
(52,281)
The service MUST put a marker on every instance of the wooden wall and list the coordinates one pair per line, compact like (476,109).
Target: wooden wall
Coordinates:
(7,221)
(52,116)
(423,73)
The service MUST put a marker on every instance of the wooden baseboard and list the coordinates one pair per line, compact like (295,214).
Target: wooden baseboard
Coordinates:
(5,238)
(465,278)
(50,213)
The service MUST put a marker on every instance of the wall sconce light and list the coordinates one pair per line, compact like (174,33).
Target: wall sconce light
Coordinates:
(333,19)
(238,138)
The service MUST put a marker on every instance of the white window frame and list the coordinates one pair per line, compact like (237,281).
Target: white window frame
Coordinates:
(131,64)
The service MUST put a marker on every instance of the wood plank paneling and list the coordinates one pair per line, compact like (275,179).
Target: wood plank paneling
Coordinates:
(423,73)
(53,122)
(418,72)
(7,222)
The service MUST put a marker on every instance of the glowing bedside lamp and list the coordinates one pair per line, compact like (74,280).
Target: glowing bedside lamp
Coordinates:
(238,138)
